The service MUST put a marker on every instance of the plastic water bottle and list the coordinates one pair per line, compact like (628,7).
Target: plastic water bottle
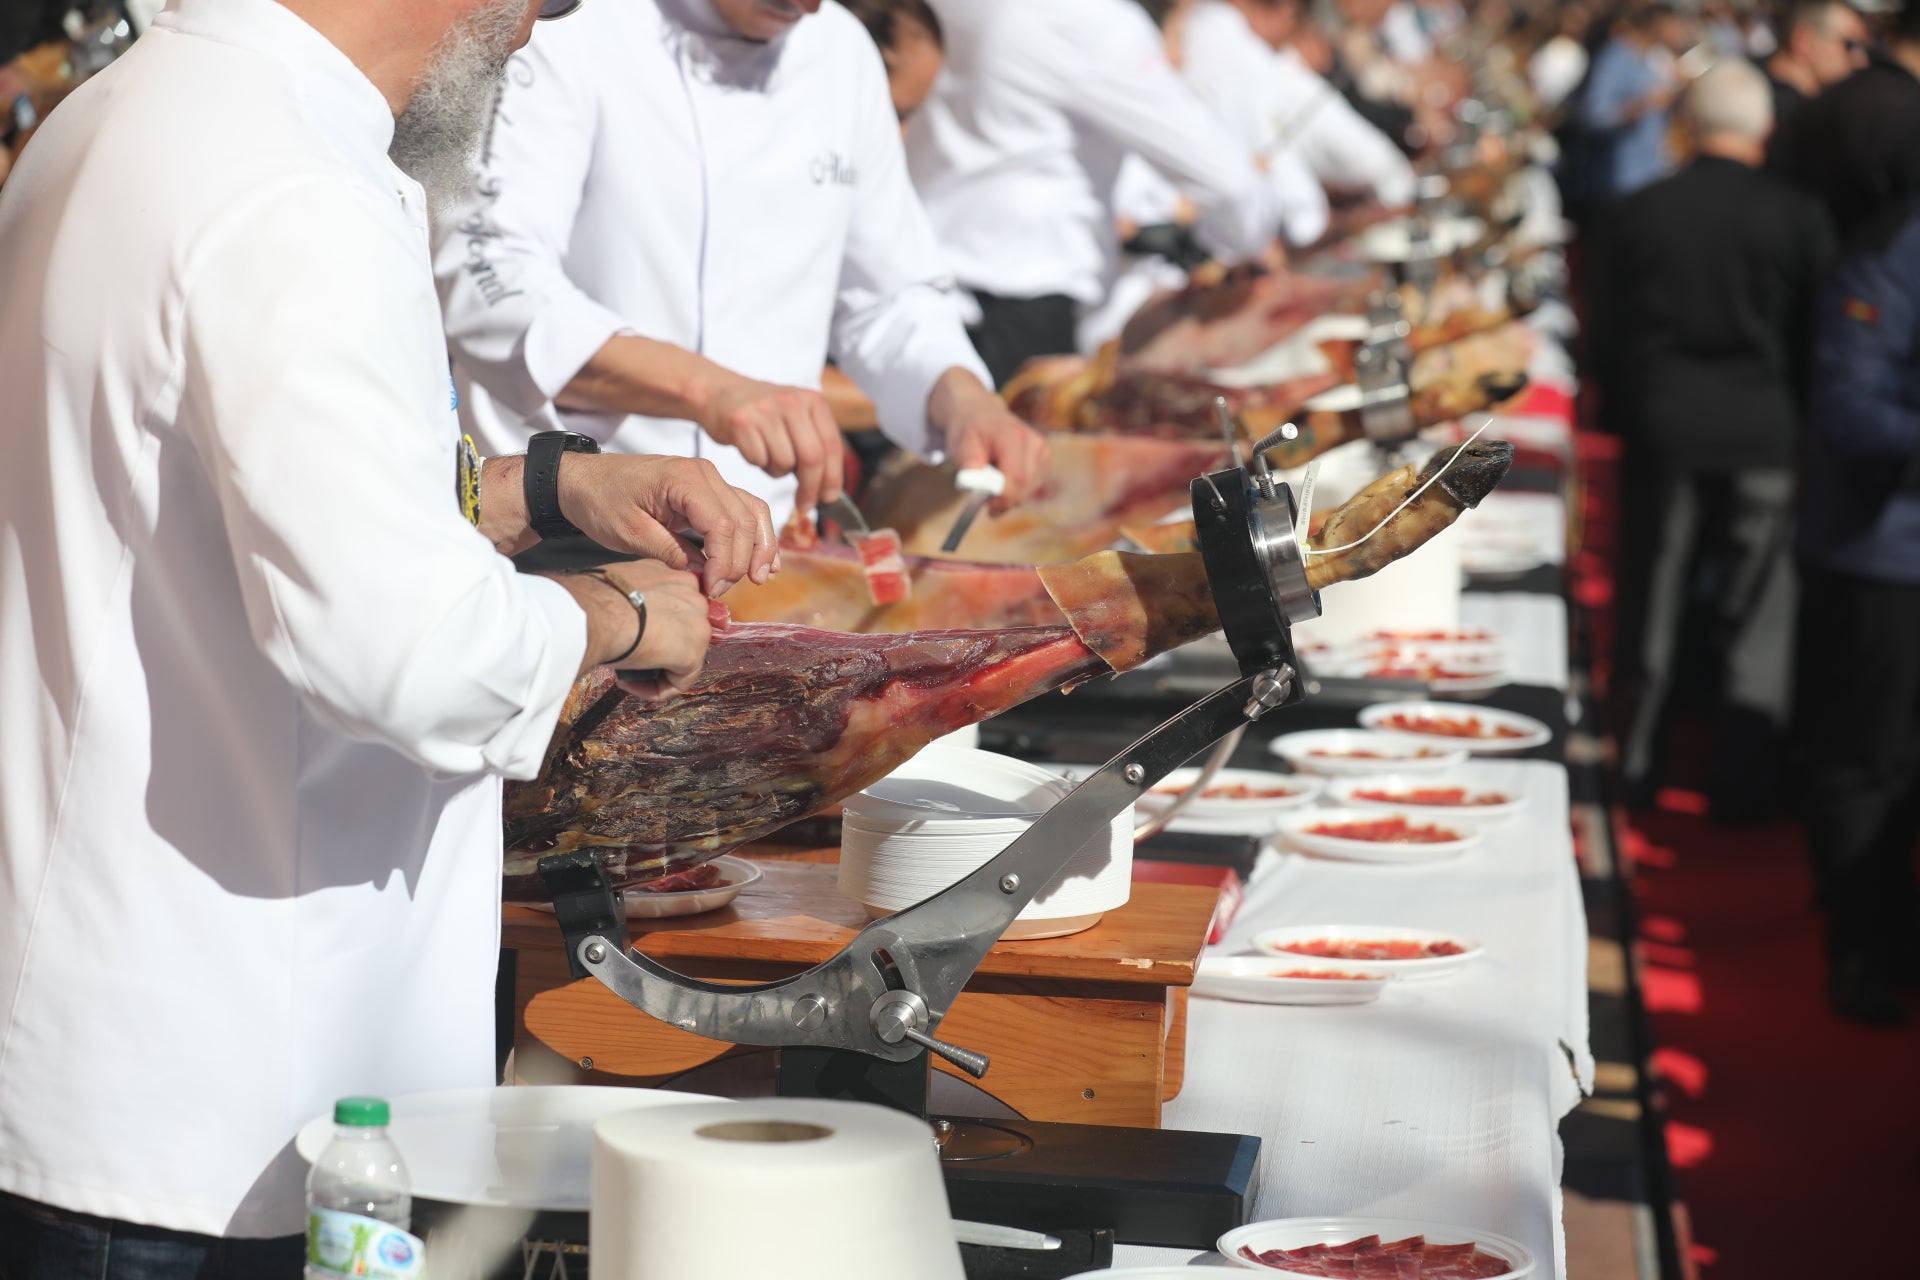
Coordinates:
(360,1201)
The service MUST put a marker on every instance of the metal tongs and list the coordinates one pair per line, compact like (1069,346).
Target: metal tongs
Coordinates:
(984,484)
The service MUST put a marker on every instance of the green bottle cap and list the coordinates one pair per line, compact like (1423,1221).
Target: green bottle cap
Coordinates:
(360,1112)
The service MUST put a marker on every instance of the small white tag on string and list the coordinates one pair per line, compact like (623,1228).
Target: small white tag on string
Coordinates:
(1304,524)
(1405,502)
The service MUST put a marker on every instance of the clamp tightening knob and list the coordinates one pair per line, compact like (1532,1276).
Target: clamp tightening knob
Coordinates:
(900,1015)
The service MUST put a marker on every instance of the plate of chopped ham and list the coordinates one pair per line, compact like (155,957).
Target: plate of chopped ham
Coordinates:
(1374,1249)
(707,887)
(1455,797)
(1235,799)
(1402,835)
(1288,979)
(1377,948)
(1483,730)
(1362,751)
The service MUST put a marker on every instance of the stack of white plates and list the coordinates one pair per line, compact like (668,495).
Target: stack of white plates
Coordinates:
(948,811)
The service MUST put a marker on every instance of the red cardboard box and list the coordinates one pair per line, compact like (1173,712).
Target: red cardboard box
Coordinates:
(1224,879)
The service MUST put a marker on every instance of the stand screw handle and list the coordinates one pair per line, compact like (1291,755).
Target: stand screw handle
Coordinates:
(899,1015)
(974,1064)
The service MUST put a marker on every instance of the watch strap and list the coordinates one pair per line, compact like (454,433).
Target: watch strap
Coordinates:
(540,481)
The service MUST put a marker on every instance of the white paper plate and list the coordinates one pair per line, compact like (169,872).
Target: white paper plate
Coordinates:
(1393,241)
(1154,1273)
(1344,792)
(530,1146)
(1255,980)
(1392,753)
(1399,853)
(1272,941)
(1461,671)
(1532,732)
(1432,639)
(1297,1233)
(1258,813)
(736,873)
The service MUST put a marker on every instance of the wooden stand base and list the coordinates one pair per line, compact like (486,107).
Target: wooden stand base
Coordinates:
(1087,1029)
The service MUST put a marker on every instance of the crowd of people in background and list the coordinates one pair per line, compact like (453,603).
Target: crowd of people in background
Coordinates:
(1744,175)
(1746,180)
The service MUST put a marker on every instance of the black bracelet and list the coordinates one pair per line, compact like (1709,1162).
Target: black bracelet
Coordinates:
(634,598)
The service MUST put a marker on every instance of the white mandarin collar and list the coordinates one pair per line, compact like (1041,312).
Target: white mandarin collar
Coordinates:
(337,96)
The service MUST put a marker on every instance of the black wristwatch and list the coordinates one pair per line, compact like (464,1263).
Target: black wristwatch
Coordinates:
(540,480)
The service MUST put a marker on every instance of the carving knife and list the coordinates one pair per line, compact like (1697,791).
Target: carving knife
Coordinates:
(984,484)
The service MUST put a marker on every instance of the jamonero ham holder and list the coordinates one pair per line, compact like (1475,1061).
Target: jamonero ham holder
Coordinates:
(863,1023)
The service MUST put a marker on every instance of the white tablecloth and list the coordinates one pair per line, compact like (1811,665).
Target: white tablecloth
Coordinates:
(1533,627)
(1442,1101)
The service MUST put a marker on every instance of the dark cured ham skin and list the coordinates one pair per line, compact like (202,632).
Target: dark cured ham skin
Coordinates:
(1368,1258)
(782,722)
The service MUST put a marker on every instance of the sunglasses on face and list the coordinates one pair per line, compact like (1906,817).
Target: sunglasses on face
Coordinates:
(551,9)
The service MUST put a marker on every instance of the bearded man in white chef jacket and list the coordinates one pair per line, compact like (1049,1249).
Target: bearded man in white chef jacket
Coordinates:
(1239,61)
(1018,150)
(684,207)
(261,676)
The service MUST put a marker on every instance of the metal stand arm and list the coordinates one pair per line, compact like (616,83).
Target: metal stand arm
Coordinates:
(888,989)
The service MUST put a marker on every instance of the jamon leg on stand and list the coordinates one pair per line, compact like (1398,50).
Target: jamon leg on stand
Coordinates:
(787,720)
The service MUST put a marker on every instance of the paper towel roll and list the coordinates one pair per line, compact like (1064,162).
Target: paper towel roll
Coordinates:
(788,1187)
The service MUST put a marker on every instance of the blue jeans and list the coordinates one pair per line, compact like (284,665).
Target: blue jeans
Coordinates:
(39,1242)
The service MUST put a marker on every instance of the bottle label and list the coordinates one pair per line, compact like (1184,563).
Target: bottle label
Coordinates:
(350,1244)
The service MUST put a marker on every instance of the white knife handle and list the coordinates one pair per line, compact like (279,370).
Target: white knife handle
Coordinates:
(988,480)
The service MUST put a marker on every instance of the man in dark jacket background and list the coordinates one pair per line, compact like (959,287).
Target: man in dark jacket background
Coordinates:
(1857,146)
(1822,42)
(1860,543)
(1707,279)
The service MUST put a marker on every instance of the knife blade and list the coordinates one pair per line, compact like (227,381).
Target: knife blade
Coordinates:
(985,484)
(843,513)
(997,1236)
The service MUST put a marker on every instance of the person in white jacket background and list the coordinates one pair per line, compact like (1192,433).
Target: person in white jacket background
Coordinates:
(683,208)
(1017,151)
(1238,59)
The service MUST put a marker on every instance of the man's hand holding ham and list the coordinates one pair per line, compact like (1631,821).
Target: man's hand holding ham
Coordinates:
(639,504)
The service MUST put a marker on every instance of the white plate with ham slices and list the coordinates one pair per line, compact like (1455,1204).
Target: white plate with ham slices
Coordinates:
(1277,980)
(1401,837)
(1483,730)
(707,887)
(1455,797)
(1346,752)
(1248,799)
(1378,948)
(1332,1246)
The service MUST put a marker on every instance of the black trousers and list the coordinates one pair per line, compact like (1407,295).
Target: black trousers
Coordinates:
(1713,551)
(1862,727)
(39,1242)
(1013,331)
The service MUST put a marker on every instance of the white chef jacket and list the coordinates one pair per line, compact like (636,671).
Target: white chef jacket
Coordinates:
(258,671)
(1278,106)
(650,172)
(1019,145)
